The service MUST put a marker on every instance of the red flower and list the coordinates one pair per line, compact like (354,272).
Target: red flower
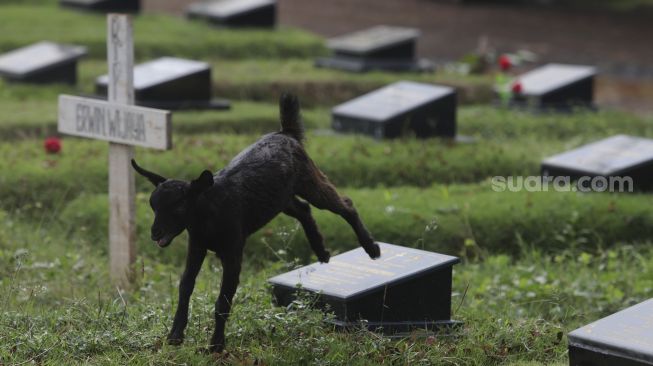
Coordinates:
(52,145)
(517,87)
(505,63)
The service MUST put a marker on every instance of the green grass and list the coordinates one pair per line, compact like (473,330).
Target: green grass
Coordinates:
(57,307)
(469,220)
(535,265)
(154,35)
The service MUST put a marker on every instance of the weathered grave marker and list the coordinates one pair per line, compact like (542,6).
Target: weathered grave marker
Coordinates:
(235,13)
(381,47)
(427,110)
(556,87)
(624,338)
(403,290)
(124,126)
(171,83)
(616,156)
(42,62)
(128,6)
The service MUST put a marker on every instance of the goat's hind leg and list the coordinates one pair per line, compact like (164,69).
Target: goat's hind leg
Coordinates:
(320,193)
(301,211)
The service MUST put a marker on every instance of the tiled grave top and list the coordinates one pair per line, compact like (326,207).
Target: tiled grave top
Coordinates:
(626,333)
(552,77)
(353,273)
(38,56)
(606,157)
(227,8)
(161,70)
(372,39)
(392,100)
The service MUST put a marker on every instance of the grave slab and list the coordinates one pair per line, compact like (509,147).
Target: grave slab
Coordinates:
(171,83)
(427,110)
(235,13)
(42,62)
(557,87)
(624,338)
(403,290)
(104,6)
(378,48)
(616,156)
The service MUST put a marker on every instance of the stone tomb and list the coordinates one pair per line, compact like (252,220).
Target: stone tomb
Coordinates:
(171,83)
(404,289)
(557,87)
(624,338)
(377,48)
(616,156)
(105,6)
(42,62)
(235,13)
(427,110)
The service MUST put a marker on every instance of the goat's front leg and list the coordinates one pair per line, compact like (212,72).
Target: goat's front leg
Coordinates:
(194,259)
(230,277)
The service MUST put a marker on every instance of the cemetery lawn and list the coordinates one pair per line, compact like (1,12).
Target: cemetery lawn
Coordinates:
(535,265)
(57,307)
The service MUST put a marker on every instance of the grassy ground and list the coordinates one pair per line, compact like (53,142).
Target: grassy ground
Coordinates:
(57,308)
(154,35)
(535,265)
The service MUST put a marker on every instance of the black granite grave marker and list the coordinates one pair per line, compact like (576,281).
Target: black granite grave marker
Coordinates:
(556,87)
(235,13)
(171,83)
(42,62)
(105,6)
(624,339)
(381,48)
(427,110)
(616,156)
(403,290)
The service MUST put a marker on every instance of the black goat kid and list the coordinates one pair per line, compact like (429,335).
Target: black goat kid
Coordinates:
(220,211)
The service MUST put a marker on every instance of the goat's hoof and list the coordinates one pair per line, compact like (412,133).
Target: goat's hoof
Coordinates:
(215,348)
(324,257)
(373,250)
(175,340)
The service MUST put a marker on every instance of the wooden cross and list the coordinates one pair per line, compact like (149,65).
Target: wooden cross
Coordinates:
(124,126)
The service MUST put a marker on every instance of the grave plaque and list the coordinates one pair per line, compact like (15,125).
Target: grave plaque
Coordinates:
(624,338)
(42,62)
(235,13)
(171,83)
(428,110)
(557,87)
(402,290)
(381,47)
(616,156)
(105,6)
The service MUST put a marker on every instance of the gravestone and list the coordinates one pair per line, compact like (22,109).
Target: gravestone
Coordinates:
(171,83)
(427,110)
(404,289)
(616,156)
(624,339)
(377,48)
(235,13)
(556,87)
(42,62)
(124,126)
(105,6)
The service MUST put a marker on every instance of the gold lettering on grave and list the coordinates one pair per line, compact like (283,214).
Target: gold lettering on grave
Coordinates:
(363,268)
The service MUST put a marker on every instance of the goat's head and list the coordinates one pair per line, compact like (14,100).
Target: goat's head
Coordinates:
(172,202)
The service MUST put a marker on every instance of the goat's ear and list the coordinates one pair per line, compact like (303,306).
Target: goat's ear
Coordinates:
(202,183)
(154,178)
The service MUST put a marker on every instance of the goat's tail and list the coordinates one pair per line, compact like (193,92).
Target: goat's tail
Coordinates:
(291,123)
